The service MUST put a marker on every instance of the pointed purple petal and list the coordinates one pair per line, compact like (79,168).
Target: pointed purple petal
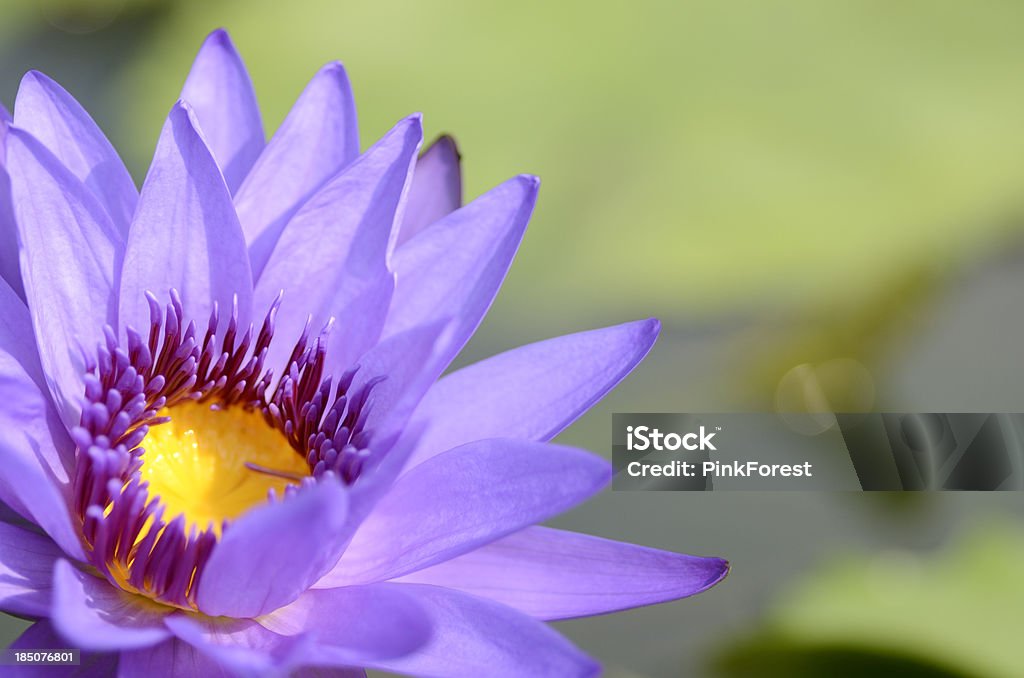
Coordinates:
(220,92)
(42,636)
(478,637)
(451,505)
(26,566)
(185,234)
(550,574)
(273,553)
(45,110)
(10,268)
(70,255)
(170,658)
(532,392)
(92,614)
(333,250)
(5,115)
(454,268)
(317,139)
(436,189)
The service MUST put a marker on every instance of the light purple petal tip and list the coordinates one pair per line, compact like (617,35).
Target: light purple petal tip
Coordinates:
(92,614)
(317,139)
(453,504)
(69,272)
(274,552)
(478,637)
(48,112)
(221,93)
(334,249)
(531,392)
(551,574)
(186,235)
(454,268)
(436,189)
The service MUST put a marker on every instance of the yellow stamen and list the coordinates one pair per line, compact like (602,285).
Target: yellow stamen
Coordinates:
(196,463)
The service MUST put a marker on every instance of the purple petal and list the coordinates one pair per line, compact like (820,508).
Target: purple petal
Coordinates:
(551,574)
(12,517)
(42,636)
(436,189)
(16,336)
(357,625)
(402,368)
(34,446)
(317,139)
(454,268)
(45,110)
(5,115)
(241,646)
(34,478)
(70,253)
(359,322)
(220,92)
(92,614)
(452,504)
(169,658)
(26,566)
(478,637)
(333,250)
(185,234)
(273,553)
(10,268)
(328,672)
(532,392)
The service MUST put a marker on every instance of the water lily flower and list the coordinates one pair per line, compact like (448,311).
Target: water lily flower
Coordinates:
(226,443)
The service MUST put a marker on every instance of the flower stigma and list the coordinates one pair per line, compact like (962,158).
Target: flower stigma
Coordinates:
(211,465)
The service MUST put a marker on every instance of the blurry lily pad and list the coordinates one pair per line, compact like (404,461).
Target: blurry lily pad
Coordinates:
(956,613)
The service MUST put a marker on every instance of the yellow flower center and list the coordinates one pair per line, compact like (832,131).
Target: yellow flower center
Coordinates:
(197,463)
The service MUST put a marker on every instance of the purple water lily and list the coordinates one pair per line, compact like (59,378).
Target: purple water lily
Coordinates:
(225,444)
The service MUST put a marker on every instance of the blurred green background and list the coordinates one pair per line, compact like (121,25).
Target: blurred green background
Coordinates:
(823,202)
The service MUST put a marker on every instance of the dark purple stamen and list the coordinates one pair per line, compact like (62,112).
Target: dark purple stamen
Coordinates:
(126,533)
